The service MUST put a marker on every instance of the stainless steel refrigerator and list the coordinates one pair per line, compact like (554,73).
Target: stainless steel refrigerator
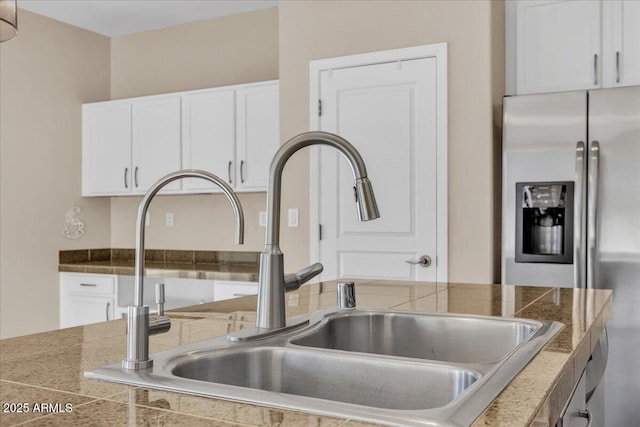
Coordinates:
(571,216)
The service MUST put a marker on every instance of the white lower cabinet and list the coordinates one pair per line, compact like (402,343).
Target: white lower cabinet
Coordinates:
(82,310)
(185,292)
(91,298)
(228,289)
(86,298)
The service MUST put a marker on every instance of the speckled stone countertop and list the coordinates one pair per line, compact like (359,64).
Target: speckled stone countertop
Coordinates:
(210,265)
(48,367)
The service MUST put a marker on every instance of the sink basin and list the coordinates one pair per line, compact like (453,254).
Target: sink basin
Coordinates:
(381,383)
(381,366)
(422,336)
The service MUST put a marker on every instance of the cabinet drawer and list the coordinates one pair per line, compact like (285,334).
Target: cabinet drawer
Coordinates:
(88,284)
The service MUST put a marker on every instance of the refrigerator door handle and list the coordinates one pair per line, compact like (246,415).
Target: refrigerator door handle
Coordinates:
(579,218)
(592,211)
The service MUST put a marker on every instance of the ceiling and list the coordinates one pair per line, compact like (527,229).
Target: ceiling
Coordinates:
(119,17)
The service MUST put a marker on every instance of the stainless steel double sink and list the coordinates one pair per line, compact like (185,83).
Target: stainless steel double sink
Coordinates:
(382,366)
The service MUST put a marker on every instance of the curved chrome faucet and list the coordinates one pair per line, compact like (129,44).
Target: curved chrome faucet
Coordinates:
(138,321)
(272,282)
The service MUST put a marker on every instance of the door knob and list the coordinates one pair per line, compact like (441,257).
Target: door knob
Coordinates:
(424,261)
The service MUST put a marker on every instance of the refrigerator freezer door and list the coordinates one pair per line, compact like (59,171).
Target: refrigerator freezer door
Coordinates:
(614,121)
(540,137)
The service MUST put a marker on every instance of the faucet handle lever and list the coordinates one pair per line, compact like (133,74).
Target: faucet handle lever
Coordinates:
(160,298)
(160,323)
(293,281)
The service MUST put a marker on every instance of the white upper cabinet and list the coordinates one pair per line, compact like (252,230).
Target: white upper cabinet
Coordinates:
(106,149)
(128,145)
(258,135)
(621,43)
(562,45)
(558,45)
(231,131)
(156,141)
(208,136)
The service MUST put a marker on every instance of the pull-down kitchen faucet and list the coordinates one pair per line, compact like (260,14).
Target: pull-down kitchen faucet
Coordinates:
(140,326)
(272,282)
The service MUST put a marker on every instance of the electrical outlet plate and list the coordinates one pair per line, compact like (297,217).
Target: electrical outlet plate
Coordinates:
(293,217)
(294,300)
(262,219)
(169,222)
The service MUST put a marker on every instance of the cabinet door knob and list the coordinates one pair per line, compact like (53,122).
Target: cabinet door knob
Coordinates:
(135,177)
(242,171)
(229,172)
(126,180)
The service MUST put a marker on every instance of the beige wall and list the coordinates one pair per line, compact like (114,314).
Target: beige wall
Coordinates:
(234,49)
(474,34)
(46,74)
(201,222)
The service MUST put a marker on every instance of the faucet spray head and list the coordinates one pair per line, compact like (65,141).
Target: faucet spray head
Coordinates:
(365,200)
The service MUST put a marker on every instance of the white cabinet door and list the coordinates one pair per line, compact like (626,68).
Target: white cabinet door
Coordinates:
(621,42)
(208,136)
(258,134)
(86,298)
(231,289)
(156,141)
(106,149)
(558,45)
(83,309)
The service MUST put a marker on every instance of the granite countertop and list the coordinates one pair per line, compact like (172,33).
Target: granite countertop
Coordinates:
(210,265)
(48,367)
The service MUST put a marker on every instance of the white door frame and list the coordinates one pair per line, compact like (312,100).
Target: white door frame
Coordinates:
(437,51)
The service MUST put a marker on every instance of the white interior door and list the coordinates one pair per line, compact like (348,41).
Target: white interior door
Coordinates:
(388,112)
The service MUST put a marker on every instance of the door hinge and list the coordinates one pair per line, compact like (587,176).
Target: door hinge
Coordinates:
(319,107)
(319,231)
